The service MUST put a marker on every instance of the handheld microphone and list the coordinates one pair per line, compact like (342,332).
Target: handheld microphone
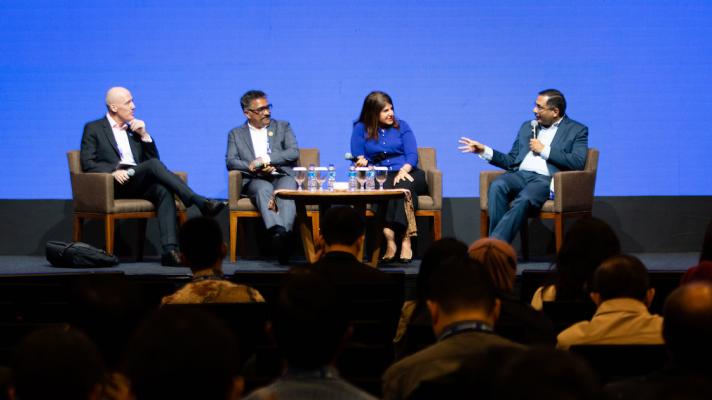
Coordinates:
(350,157)
(130,172)
(534,124)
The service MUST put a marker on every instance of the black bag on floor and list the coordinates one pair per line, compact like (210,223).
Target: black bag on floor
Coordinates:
(78,255)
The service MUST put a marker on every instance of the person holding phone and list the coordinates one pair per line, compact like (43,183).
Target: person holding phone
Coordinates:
(120,144)
(381,139)
(265,150)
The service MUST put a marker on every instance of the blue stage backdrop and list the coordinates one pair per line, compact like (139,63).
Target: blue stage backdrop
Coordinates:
(636,72)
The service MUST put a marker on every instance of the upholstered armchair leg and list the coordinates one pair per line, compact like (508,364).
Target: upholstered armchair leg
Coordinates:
(77,222)
(233,236)
(559,230)
(141,238)
(484,224)
(109,233)
(437,225)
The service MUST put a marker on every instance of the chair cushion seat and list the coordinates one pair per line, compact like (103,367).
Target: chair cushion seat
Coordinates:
(138,205)
(548,206)
(244,204)
(426,203)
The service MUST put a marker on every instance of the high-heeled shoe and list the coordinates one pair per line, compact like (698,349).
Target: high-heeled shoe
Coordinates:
(406,260)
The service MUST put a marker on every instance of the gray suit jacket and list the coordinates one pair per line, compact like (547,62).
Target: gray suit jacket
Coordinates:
(568,149)
(282,142)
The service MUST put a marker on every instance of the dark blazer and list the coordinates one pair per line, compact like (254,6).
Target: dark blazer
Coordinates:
(343,267)
(568,149)
(100,153)
(282,142)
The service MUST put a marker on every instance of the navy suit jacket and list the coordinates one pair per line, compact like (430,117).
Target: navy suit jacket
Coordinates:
(100,153)
(568,149)
(282,142)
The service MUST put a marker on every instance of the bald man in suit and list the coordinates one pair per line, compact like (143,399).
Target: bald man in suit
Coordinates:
(119,144)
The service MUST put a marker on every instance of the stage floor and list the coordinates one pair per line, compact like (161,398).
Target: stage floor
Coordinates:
(23,265)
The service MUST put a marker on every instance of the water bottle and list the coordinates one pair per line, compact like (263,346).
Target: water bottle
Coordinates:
(331,178)
(371,178)
(352,179)
(311,178)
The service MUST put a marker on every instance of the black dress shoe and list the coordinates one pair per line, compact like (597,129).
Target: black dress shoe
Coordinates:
(171,259)
(281,246)
(212,208)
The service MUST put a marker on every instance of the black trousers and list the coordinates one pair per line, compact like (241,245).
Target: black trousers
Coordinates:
(154,182)
(395,213)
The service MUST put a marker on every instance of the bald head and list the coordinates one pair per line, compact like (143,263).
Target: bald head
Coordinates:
(120,105)
(687,323)
(116,95)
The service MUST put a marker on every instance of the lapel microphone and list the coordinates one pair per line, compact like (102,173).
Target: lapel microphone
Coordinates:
(535,128)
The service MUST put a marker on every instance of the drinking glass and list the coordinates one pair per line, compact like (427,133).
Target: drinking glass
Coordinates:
(381,175)
(320,178)
(361,178)
(300,177)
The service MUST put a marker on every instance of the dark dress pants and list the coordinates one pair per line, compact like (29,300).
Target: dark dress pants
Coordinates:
(154,182)
(526,191)
(395,213)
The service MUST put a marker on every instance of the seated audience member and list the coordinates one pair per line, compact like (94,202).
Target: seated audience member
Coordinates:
(310,329)
(415,330)
(57,363)
(703,270)
(343,231)
(687,329)
(203,250)
(546,374)
(517,321)
(463,307)
(587,243)
(184,354)
(622,296)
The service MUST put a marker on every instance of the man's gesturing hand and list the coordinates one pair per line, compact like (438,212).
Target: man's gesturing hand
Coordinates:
(470,146)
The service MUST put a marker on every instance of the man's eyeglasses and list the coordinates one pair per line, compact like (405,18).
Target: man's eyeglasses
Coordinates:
(261,110)
(541,108)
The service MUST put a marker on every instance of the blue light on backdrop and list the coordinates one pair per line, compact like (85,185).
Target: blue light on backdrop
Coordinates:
(636,72)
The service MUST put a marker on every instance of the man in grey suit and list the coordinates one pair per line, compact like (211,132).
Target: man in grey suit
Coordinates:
(265,150)
(548,144)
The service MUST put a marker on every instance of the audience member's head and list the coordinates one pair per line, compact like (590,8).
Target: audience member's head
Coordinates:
(687,325)
(622,276)
(201,244)
(343,226)
(183,354)
(433,257)
(706,253)
(499,258)
(545,374)
(461,289)
(57,363)
(309,321)
(587,243)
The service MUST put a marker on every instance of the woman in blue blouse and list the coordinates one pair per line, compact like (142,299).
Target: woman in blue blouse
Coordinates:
(381,139)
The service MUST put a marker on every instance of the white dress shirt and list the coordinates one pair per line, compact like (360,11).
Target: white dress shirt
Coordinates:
(535,162)
(260,143)
(122,140)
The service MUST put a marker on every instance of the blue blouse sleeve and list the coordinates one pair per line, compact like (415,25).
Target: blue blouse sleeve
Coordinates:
(410,147)
(358,140)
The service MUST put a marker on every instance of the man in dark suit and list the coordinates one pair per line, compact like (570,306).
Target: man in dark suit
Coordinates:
(119,144)
(343,232)
(265,150)
(544,146)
